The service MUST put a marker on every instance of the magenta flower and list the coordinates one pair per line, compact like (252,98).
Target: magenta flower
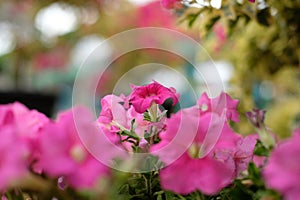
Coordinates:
(152,14)
(170,4)
(142,97)
(282,171)
(244,153)
(14,157)
(19,130)
(189,165)
(221,37)
(28,122)
(64,155)
(113,112)
(220,104)
(117,115)
(186,175)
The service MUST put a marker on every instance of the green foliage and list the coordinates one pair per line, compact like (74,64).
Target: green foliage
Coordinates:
(262,43)
(260,149)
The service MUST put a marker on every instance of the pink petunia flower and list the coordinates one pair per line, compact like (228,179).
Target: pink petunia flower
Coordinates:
(221,37)
(14,157)
(220,104)
(152,15)
(28,122)
(170,4)
(55,59)
(142,97)
(201,152)
(282,171)
(117,115)
(64,154)
(19,130)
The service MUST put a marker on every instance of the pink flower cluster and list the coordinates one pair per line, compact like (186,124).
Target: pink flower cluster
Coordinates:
(32,143)
(199,149)
(216,155)
(124,113)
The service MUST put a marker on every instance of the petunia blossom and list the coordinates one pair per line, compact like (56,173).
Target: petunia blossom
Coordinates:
(170,4)
(152,15)
(117,115)
(19,130)
(282,171)
(28,122)
(142,97)
(220,104)
(14,157)
(201,152)
(64,154)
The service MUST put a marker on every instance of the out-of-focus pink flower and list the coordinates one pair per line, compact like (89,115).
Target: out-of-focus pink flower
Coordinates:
(28,122)
(142,97)
(170,4)
(63,153)
(282,171)
(296,131)
(183,148)
(152,14)
(252,1)
(186,175)
(55,59)
(28,125)
(220,104)
(244,153)
(14,157)
(19,130)
(221,36)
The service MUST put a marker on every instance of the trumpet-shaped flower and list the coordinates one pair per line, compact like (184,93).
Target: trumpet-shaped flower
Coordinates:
(19,130)
(64,154)
(117,116)
(169,4)
(220,104)
(14,157)
(201,152)
(282,171)
(142,97)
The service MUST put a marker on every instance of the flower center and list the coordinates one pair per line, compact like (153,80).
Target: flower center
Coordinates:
(203,107)
(78,153)
(195,151)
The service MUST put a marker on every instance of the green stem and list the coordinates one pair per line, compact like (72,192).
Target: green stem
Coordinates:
(153,112)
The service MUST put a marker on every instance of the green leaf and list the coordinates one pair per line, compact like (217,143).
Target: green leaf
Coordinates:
(147,117)
(132,125)
(124,189)
(260,149)
(211,23)
(239,191)
(137,149)
(255,175)
(159,197)
(191,18)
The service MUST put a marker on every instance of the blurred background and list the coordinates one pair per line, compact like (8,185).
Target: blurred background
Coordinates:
(255,47)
